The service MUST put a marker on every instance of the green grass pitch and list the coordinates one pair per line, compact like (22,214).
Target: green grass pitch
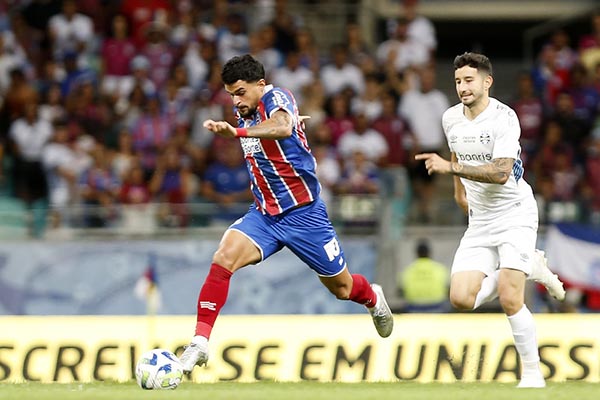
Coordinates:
(302,391)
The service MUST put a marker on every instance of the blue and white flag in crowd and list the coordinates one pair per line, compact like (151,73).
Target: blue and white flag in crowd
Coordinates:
(573,252)
(146,287)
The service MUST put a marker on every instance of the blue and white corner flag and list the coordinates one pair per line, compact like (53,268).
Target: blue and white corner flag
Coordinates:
(146,288)
(573,253)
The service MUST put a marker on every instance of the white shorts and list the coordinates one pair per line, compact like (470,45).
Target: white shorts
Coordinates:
(486,248)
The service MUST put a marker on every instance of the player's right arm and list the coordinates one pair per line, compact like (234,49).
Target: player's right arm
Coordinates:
(279,126)
(460,194)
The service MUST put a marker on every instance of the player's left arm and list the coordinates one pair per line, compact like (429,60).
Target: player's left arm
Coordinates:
(498,171)
(279,126)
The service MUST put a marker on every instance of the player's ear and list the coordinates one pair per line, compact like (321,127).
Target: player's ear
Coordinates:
(261,82)
(488,81)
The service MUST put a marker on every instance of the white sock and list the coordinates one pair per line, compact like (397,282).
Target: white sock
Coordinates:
(523,329)
(488,290)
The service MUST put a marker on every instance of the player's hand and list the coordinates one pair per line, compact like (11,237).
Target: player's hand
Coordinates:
(434,163)
(220,128)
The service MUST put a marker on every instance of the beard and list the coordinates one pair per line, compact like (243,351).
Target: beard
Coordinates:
(246,112)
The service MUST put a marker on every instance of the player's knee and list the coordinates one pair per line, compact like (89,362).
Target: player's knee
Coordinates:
(341,292)
(462,301)
(225,259)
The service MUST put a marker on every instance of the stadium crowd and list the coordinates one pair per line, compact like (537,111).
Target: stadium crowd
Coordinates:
(102,105)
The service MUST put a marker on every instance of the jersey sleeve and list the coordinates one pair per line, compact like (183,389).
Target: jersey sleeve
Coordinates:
(279,99)
(446,127)
(508,132)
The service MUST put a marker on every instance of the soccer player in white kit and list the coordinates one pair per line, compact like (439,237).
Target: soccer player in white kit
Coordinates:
(497,252)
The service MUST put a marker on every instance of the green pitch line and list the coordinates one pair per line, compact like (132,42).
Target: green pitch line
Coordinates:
(302,391)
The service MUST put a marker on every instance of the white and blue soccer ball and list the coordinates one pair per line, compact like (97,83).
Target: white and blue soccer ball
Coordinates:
(158,369)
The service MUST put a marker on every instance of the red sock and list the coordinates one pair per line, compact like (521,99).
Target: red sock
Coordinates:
(213,296)
(362,293)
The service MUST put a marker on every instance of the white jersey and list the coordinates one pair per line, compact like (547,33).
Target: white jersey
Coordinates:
(492,134)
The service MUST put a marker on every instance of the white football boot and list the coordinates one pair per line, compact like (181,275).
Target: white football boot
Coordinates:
(381,313)
(540,273)
(196,353)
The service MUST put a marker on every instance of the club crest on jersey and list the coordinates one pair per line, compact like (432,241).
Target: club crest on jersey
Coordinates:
(453,139)
(250,145)
(484,138)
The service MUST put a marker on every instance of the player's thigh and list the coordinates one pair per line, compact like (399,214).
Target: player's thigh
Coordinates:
(248,240)
(516,248)
(310,235)
(476,252)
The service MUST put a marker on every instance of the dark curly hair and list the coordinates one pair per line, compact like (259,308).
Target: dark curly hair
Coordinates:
(242,68)
(474,60)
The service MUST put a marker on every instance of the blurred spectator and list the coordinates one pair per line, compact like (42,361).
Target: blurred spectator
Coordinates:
(560,45)
(286,26)
(586,98)
(151,132)
(141,13)
(53,108)
(226,181)
(423,109)
(340,74)
(589,45)
(530,110)
(99,189)
(71,31)
(29,135)
(19,95)
(313,104)
(177,102)
(396,131)
(197,61)
(364,139)
(370,101)
(118,50)
(172,185)
(358,50)
(123,158)
(159,53)
(575,130)
(328,170)
(592,172)
(401,50)
(549,76)
(307,49)
(63,163)
(420,28)
(135,190)
(262,47)
(74,74)
(339,119)
(360,175)
(424,283)
(89,112)
(137,213)
(8,61)
(293,76)
(233,41)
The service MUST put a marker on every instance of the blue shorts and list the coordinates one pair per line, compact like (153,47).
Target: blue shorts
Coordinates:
(306,231)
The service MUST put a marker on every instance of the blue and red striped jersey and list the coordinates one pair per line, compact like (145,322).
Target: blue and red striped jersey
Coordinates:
(282,172)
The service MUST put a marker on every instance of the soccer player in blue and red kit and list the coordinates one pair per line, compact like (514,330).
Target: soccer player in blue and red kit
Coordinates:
(287,210)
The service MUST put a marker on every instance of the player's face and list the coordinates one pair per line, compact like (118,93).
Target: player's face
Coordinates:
(471,85)
(246,96)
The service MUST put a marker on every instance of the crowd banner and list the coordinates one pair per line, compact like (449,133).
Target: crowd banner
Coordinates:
(346,348)
(573,253)
(101,277)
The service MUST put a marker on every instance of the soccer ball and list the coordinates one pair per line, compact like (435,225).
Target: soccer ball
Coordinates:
(158,369)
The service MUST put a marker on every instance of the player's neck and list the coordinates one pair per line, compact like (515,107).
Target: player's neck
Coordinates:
(472,111)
